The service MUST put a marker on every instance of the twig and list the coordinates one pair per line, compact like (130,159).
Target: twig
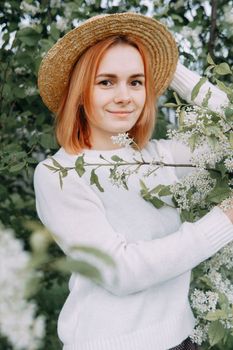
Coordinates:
(213,27)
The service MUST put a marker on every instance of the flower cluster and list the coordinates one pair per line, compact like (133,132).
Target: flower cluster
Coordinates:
(200,334)
(122,140)
(193,189)
(15,277)
(204,301)
(30,9)
(209,135)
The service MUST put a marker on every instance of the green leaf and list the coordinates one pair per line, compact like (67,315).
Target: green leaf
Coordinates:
(96,252)
(55,163)
(50,167)
(178,101)
(17,167)
(221,167)
(157,203)
(55,33)
(19,92)
(206,98)
(60,180)
(186,215)
(79,166)
(216,332)
(208,69)
(79,266)
(223,87)
(117,159)
(47,141)
(181,116)
(19,155)
(213,130)
(219,192)
(28,36)
(64,172)
(222,69)
(156,189)
(197,87)
(94,180)
(192,141)
(210,60)
(231,139)
(46,44)
(170,105)
(229,113)
(23,58)
(178,18)
(216,315)
(143,185)
(165,191)
(212,141)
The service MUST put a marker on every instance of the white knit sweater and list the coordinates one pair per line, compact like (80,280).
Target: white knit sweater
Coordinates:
(143,303)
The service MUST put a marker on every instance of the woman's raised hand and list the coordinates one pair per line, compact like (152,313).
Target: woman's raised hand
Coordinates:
(227,207)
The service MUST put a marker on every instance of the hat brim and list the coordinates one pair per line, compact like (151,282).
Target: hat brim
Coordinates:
(55,68)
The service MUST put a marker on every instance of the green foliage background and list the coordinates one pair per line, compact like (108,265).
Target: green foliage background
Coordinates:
(26,126)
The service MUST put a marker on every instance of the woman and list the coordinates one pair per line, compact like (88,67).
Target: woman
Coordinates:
(102,79)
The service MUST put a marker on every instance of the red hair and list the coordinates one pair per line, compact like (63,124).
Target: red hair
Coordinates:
(72,129)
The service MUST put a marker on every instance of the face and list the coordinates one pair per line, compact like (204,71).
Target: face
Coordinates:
(118,95)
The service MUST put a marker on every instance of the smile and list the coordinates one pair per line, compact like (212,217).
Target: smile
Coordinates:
(120,112)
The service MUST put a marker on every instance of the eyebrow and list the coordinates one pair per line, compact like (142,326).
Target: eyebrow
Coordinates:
(115,76)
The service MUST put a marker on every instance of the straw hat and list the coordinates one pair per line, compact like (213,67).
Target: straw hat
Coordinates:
(56,66)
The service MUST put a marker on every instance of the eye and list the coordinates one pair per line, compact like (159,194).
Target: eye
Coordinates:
(136,83)
(105,82)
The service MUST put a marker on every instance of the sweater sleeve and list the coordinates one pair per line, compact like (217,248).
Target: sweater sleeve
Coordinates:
(184,81)
(75,215)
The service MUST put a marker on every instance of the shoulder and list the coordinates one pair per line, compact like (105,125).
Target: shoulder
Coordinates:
(67,185)
(162,148)
(172,149)
(48,172)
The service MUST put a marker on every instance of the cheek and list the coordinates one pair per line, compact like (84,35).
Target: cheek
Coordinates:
(101,97)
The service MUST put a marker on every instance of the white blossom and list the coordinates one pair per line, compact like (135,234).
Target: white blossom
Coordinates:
(200,334)
(61,23)
(28,22)
(224,258)
(204,301)
(228,14)
(198,184)
(31,9)
(191,33)
(222,285)
(229,164)
(30,91)
(122,140)
(20,70)
(18,320)
(119,176)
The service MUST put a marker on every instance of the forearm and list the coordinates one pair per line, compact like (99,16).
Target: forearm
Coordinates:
(184,81)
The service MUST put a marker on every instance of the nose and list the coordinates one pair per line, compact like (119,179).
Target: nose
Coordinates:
(122,94)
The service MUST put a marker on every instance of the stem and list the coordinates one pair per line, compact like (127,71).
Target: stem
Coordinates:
(213,27)
(4,81)
(162,164)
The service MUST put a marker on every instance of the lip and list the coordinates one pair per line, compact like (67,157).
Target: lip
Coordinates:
(120,112)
